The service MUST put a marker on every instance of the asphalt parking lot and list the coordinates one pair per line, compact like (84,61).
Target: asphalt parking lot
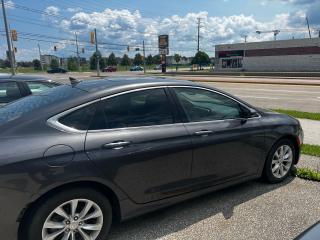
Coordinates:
(253,210)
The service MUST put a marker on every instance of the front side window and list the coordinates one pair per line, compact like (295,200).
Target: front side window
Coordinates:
(203,105)
(37,87)
(9,91)
(141,108)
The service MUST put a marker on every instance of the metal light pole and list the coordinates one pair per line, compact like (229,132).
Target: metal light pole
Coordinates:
(97,55)
(40,57)
(144,58)
(8,38)
(78,56)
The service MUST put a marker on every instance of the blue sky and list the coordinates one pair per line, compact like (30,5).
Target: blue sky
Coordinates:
(122,22)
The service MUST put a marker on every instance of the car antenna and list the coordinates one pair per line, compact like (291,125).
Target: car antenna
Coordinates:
(74,81)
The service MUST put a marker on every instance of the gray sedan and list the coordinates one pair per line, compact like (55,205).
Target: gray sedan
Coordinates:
(78,157)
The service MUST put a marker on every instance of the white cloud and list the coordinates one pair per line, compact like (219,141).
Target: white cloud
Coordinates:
(73,10)
(10,4)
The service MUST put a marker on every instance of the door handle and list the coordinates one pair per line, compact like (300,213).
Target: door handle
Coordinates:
(116,145)
(203,133)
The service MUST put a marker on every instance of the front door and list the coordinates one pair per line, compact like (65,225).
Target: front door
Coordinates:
(225,144)
(138,143)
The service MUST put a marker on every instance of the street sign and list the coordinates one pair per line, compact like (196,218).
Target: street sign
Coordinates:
(164,51)
(14,35)
(164,44)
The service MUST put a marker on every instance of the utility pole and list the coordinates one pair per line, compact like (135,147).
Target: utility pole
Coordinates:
(199,26)
(40,57)
(144,58)
(8,38)
(308,27)
(78,56)
(97,55)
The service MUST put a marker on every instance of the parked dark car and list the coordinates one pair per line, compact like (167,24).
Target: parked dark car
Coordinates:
(136,68)
(57,70)
(108,150)
(19,86)
(110,69)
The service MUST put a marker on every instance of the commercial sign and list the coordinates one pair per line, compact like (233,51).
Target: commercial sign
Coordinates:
(164,44)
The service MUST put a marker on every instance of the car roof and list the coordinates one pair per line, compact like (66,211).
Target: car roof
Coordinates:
(22,78)
(123,83)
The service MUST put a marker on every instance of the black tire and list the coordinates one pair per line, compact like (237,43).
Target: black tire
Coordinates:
(35,221)
(267,171)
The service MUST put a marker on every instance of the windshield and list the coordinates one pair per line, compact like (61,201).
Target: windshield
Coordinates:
(26,105)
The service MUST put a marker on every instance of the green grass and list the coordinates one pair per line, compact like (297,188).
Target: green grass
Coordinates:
(308,174)
(298,114)
(313,150)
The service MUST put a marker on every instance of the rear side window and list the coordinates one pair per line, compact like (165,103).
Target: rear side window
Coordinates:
(37,87)
(9,91)
(79,119)
(141,108)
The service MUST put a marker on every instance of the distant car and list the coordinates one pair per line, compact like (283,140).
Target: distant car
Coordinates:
(57,70)
(136,68)
(109,69)
(158,67)
(19,86)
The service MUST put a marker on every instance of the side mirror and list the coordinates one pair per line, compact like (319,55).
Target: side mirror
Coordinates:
(249,113)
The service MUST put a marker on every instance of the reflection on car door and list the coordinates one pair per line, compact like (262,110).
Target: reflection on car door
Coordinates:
(225,146)
(137,140)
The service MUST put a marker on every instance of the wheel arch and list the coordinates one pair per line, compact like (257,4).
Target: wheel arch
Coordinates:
(100,187)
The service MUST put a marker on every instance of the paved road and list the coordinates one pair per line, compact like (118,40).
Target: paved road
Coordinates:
(250,211)
(296,97)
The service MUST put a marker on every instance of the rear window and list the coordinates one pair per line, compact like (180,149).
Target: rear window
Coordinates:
(29,104)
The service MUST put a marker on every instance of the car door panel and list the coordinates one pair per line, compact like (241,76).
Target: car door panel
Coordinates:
(154,165)
(223,149)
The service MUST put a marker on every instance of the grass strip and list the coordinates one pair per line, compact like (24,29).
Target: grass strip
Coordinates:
(298,114)
(313,150)
(308,174)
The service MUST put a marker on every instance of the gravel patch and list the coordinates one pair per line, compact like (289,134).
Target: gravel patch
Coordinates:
(311,162)
(253,210)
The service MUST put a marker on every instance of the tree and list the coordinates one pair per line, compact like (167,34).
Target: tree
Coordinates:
(138,60)
(201,58)
(157,59)
(177,59)
(72,64)
(93,60)
(125,61)
(103,62)
(36,64)
(112,61)
(149,60)
(54,63)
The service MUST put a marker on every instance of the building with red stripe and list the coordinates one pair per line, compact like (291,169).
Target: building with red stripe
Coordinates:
(278,56)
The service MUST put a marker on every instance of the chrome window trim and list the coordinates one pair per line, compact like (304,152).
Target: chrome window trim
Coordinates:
(54,121)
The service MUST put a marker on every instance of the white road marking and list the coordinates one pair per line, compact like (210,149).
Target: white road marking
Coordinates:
(258,97)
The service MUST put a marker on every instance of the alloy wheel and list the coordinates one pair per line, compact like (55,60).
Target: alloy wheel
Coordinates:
(282,161)
(77,219)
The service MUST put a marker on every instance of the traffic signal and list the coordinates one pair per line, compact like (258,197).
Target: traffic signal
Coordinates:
(92,38)
(137,49)
(82,50)
(55,48)
(128,48)
(15,49)
(14,35)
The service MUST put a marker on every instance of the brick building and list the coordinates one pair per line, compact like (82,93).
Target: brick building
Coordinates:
(282,56)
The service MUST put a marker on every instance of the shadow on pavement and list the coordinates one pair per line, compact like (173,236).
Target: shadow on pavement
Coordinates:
(180,216)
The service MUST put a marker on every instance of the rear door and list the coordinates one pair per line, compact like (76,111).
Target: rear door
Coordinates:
(226,145)
(138,142)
